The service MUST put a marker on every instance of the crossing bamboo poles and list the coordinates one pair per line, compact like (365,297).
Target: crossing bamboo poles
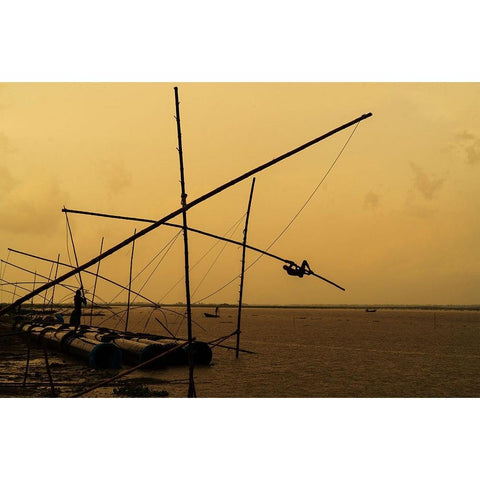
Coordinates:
(56,273)
(95,283)
(49,278)
(34,282)
(74,252)
(191,381)
(243,268)
(155,304)
(185,208)
(129,284)
(201,232)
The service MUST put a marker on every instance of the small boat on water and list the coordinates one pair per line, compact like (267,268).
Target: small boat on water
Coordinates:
(371,310)
(212,315)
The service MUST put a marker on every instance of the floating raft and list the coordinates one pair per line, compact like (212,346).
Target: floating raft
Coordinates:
(105,348)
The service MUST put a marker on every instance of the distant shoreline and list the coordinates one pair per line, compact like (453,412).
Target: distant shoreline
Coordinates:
(291,306)
(349,307)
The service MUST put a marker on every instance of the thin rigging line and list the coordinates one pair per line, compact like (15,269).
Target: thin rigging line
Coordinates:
(313,193)
(158,264)
(291,221)
(234,226)
(214,262)
(169,244)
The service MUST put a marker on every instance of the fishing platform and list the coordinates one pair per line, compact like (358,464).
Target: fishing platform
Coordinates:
(109,348)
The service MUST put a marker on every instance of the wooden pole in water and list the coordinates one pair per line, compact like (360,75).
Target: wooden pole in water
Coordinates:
(56,273)
(50,379)
(95,283)
(191,380)
(244,249)
(28,361)
(74,253)
(130,370)
(34,282)
(130,283)
(188,206)
(49,278)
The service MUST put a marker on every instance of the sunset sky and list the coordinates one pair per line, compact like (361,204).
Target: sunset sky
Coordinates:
(395,221)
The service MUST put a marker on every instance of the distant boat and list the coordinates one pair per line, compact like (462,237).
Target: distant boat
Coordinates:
(212,315)
(371,310)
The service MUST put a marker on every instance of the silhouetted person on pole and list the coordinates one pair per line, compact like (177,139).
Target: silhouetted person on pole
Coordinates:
(77,311)
(296,271)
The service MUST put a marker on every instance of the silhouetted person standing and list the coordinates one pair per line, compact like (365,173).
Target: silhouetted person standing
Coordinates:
(296,271)
(77,311)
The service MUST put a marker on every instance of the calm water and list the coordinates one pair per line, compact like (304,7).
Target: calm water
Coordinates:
(328,353)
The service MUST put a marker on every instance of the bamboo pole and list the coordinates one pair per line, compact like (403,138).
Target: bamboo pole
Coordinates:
(95,283)
(29,271)
(130,370)
(50,379)
(191,380)
(233,348)
(22,288)
(176,225)
(187,206)
(130,283)
(72,289)
(56,273)
(201,232)
(45,297)
(74,253)
(92,273)
(243,268)
(34,282)
(28,361)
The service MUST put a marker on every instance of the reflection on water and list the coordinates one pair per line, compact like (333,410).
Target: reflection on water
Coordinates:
(328,352)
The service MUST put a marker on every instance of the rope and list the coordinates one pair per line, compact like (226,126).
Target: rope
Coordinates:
(169,244)
(311,195)
(234,226)
(3,275)
(291,221)
(214,262)
(158,264)
(151,261)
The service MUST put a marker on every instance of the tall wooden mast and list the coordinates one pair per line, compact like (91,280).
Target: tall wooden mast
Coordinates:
(191,381)
(95,283)
(130,283)
(244,248)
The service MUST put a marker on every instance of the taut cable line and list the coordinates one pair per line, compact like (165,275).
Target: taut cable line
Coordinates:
(265,252)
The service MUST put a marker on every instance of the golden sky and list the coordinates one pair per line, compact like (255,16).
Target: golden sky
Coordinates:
(395,221)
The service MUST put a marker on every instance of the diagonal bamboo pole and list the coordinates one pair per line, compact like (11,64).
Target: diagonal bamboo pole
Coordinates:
(130,370)
(242,276)
(95,283)
(201,232)
(129,284)
(187,206)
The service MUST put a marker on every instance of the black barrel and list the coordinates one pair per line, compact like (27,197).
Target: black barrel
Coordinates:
(135,352)
(98,354)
